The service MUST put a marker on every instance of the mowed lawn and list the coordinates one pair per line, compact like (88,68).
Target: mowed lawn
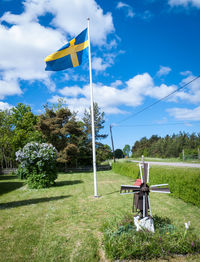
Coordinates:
(63,223)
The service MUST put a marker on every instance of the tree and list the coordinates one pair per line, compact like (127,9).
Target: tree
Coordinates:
(169,146)
(104,152)
(99,125)
(7,149)
(17,127)
(126,150)
(60,128)
(24,126)
(119,153)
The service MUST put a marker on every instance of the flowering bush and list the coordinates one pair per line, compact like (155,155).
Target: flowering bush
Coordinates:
(37,164)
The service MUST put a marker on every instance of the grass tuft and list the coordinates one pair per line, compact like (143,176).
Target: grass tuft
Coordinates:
(122,241)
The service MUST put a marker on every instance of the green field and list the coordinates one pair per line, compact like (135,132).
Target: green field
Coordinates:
(63,223)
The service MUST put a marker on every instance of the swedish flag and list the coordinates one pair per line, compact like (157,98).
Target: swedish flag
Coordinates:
(70,55)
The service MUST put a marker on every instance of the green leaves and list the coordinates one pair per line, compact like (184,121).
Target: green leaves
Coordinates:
(38,162)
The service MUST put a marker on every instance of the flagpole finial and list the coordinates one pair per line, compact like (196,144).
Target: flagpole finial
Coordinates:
(88,19)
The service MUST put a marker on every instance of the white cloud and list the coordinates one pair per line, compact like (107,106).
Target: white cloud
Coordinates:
(25,43)
(191,93)
(185,113)
(9,88)
(100,64)
(164,70)
(22,52)
(5,106)
(128,8)
(186,73)
(185,3)
(111,97)
(160,91)
(65,14)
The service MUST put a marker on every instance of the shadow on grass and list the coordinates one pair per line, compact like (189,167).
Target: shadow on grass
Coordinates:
(6,187)
(30,202)
(5,177)
(68,183)
(117,191)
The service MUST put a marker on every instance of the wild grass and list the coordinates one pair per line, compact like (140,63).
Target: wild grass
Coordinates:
(122,241)
(63,223)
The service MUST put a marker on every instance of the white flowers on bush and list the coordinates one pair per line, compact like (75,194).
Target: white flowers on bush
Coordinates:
(33,153)
(37,164)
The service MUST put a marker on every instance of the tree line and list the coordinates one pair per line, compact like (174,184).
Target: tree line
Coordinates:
(168,146)
(57,126)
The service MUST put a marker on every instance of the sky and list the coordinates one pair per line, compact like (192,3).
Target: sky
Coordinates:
(141,52)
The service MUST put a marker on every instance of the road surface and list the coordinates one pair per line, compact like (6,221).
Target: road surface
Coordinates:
(177,164)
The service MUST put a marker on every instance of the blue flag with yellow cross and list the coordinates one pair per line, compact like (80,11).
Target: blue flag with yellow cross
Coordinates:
(70,55)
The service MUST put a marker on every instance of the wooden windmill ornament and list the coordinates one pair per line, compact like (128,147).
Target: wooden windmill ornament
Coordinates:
(141,200)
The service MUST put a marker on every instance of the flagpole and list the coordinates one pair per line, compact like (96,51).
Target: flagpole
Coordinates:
(92,116)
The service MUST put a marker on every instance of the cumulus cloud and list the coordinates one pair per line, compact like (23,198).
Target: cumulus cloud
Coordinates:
(127,8)
(131,93)
(164,70)
(26,42)
(185,113)
(111,97)
(185,3)
(98,64)
(9,88)
(191,94)
(102,63)
(65,14)
(5,106)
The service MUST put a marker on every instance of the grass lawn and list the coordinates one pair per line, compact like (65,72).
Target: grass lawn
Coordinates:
(63,223)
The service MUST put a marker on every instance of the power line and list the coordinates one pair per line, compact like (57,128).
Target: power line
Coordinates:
(156,102)
(157,124)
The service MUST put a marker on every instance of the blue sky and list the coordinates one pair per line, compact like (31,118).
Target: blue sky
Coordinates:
(141,52)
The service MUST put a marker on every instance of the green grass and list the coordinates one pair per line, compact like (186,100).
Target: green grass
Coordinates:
(122,241)
(63,223)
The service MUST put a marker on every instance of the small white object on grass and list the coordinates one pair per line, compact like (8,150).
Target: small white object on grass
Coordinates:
(187,225)
(144,223)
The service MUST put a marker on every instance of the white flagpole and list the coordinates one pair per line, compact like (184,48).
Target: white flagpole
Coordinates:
(92,116)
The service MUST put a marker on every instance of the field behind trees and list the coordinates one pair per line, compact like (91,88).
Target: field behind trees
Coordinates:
(64,222)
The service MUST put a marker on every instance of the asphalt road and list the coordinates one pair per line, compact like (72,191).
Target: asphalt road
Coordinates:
(178,164)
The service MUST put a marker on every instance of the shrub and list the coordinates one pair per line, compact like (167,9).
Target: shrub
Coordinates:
(37,164)
(122,241)
(183,182)
(22,173)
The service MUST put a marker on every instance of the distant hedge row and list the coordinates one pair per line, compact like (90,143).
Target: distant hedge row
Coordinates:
(184,183)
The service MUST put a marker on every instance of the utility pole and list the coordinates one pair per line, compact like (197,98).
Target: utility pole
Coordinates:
(112,143)
(183,153)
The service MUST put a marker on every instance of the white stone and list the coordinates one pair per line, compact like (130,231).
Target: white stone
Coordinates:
(144,223)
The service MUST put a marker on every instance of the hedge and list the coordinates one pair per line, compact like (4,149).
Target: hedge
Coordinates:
(184,183)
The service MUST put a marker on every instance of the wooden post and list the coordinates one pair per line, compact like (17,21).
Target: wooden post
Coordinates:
(112,143)
(198,154)
(143,160)
(183,155)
